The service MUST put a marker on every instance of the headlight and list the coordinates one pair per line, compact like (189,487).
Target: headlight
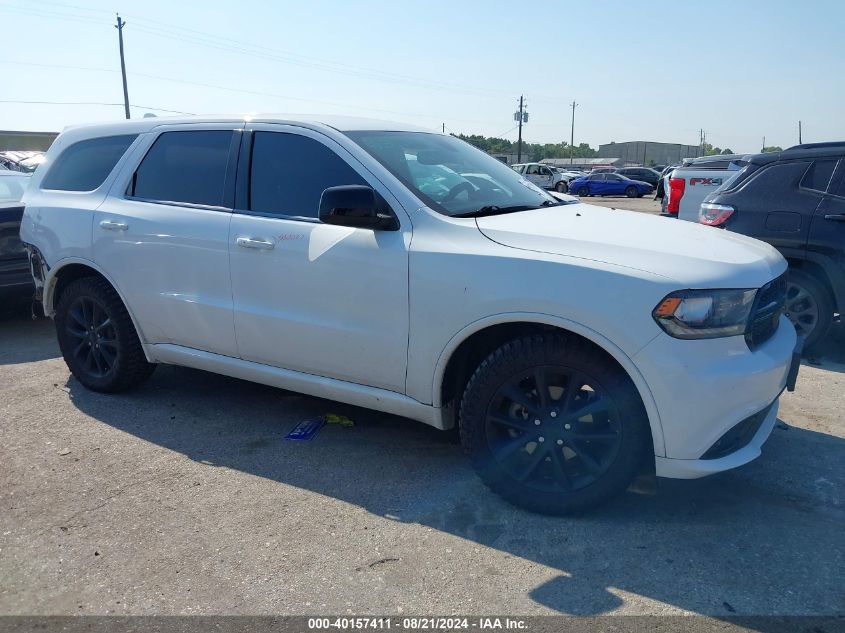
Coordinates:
(691,314)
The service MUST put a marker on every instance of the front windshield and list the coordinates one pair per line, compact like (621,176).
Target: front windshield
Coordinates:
(12,187)
(449,175)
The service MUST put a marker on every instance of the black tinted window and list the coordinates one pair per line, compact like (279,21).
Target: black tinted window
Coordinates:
(818,175)
(84,165)
(185,167)
(290,172)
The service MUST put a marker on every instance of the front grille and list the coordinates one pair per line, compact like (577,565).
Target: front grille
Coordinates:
(765,314)
(738,435)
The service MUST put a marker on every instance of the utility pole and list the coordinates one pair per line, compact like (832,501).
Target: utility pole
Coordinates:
(119,27)
(444,128)
(799,132)
(764,145)
(572,133)
(520,116)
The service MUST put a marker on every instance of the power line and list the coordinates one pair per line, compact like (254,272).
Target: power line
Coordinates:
(199,38)
(91,103)
(259,93)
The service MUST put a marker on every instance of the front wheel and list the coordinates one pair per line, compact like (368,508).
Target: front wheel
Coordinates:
(808,306)
(561,187)
(553,425)
(583,192)
(97,338)
(632,192)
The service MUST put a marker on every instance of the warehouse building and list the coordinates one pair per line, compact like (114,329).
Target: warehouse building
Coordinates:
(648,152)
(583,163)
(26,141)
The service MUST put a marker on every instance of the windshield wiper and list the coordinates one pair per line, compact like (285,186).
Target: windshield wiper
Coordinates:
(492,209)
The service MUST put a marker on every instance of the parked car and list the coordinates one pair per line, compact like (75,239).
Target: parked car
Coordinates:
(305,254)
(603,170)
(643,174)
(795,201)
(609,185)
(24,161)
(14,265)
(543,176)
(690,183)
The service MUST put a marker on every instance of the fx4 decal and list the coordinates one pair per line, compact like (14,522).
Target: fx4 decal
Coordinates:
(705,181)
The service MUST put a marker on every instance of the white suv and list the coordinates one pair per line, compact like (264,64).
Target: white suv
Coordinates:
(403,270)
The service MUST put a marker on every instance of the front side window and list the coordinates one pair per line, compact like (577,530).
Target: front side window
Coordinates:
(290,172)
(450,176)
(85,165)
(185,167)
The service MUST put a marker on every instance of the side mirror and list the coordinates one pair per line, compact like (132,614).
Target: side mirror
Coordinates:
(358,206)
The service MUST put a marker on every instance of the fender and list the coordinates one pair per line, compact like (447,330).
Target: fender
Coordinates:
(547,319)
(51,278)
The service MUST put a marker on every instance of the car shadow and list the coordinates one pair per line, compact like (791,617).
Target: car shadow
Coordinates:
(830,353)
(22,338)
(763,539)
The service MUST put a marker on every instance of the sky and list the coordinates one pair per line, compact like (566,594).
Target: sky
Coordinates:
(644,70)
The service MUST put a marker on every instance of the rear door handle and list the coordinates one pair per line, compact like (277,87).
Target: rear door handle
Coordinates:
(251,242)
(111,225)
(836,217)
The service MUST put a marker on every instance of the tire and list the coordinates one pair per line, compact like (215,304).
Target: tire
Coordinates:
(584,462)
(97,338)
(583,192)
(632,192)
(561,187)
(809,307)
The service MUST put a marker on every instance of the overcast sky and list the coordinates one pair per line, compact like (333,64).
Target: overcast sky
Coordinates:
(643,70)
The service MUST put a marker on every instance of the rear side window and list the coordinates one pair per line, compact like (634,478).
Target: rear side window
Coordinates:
(290,172)
(818,175)
(185,167)
(85,165)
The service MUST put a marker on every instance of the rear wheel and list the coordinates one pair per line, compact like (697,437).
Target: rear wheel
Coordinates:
(561,187)
(808,306)
(553,425)
(97,337)
(583,192)
(632,192)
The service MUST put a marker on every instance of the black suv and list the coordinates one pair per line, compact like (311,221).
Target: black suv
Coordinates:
(643,174)
(795,201)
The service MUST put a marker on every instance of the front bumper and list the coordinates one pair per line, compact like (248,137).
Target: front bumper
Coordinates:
(695,468)
(704,388)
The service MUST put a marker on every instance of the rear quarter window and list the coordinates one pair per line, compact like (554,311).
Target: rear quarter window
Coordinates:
(85,165)
(817,177)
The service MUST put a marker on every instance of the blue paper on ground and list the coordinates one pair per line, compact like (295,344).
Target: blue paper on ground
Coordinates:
(305,430)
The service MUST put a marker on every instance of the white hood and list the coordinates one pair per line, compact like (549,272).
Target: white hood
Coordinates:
(693,255)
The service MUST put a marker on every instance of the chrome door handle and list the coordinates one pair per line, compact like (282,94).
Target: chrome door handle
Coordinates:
(836,217)
(111,225)
(251,242)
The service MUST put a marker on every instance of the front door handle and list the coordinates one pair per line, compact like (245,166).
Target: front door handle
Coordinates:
(111,225)
(251,242)
(836,217)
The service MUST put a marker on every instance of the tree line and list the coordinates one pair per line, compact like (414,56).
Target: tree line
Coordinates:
(537,151)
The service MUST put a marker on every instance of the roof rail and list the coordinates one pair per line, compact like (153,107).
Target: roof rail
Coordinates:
(816,145)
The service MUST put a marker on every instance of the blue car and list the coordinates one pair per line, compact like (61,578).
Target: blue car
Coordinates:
(609,184)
